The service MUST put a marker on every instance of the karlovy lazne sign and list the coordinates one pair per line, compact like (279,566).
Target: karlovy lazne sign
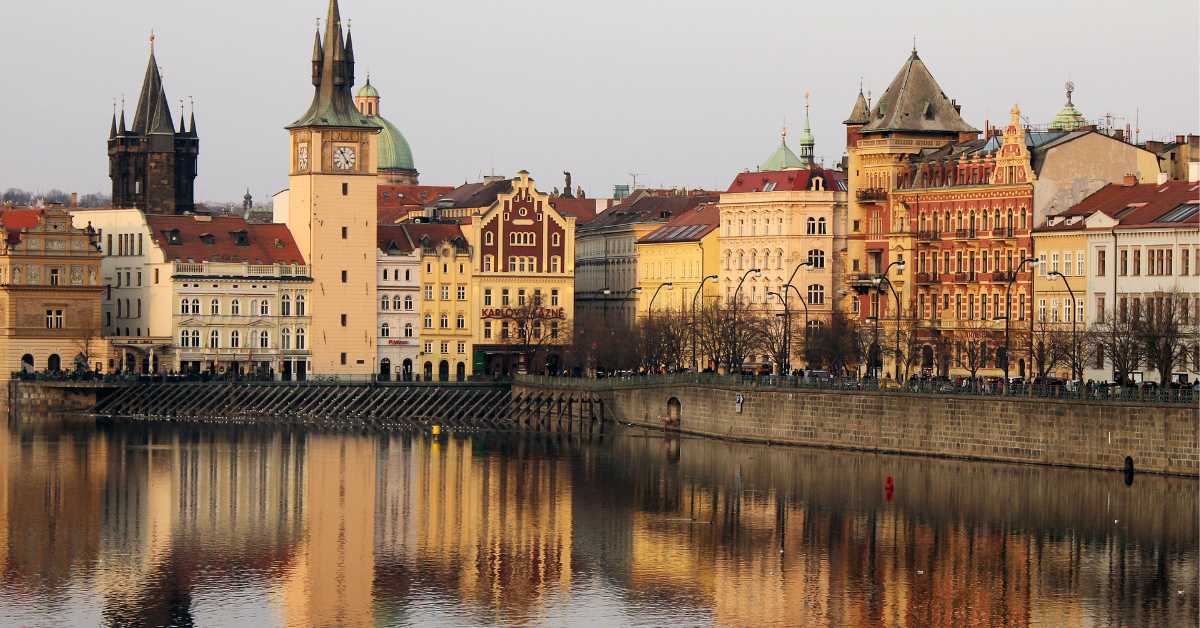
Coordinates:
(542,313)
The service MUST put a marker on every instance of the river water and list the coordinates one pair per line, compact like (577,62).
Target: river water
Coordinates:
(165,525)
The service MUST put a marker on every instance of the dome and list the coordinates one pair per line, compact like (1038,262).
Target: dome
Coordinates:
(394,152)
(1068,119)
(368,91)
(782,159)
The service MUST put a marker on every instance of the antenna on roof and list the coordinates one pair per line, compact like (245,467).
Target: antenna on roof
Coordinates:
(635,176)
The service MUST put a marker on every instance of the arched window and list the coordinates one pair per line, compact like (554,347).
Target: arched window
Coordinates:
(285,305)
(385,330)
(408,303)
(555,239)
(811,226)
(300,302)
(196,338)
(214,339)
(817,184)
(214,307)
(779,259)
(385,302)
(741,258)
(444,322)
(300,338)
(183,306)
(264,340)
(235,307)
(821,226)
(816,258)
(285,339)
(408,330)
(183,338)
(816,294)
(264,308)
(728,259)
(428,321)
(489,238)
(235,339)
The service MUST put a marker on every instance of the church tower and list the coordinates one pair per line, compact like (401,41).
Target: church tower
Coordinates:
(152,165)
(332,208)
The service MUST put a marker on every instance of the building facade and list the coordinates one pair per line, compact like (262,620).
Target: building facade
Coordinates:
(50,293)
(332,209)
(399,262)
(685,253)
(447,327)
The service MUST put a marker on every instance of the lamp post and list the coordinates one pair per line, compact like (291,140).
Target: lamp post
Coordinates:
(803,302)
(668,285)
(1074,337)
(784,367)
(700,287)
(787,333)
(1012,278)
(733,354)
(882,278)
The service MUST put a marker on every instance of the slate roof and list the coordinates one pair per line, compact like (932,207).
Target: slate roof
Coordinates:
(688,226)
(647,209)
(201,239)
(915,102)
(860,114)
(481,194)
(436,232)
(786,180)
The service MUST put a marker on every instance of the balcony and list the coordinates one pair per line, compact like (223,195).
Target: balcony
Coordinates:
(233,269)
(926,278)
(928,236)
(964,277)
(1000,276)
(872,194)
(1002,232)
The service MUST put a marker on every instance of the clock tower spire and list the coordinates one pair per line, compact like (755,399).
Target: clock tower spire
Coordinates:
(332,208)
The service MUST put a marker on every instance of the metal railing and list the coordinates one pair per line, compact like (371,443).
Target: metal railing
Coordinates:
(1145,393)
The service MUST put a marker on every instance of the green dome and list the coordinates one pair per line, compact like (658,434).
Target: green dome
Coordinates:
(782,159)
(368,91)
(394,152)
(1068,119)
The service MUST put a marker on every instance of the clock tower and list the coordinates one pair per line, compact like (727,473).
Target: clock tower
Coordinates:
(332,208)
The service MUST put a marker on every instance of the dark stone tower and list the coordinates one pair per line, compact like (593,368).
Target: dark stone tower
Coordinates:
(152,165)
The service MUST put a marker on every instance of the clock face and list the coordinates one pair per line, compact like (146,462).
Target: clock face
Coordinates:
(343,158)
(302,157)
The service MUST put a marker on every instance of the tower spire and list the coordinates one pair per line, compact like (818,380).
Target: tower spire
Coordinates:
(806,137)
(333,76)
(112,128)
(192,121)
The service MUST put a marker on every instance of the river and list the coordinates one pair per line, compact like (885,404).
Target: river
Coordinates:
(171,525)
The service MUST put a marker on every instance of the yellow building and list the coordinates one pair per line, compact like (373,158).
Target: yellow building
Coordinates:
(50,294)
(683,252)
(1061,246)
(446,322)
(332,209)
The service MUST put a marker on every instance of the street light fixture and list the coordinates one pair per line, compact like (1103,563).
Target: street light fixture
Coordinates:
(1074,337)
(668,285)
(787,334)
(787,321)
(733,355)
(878,280)
(1012,278)
(700,287)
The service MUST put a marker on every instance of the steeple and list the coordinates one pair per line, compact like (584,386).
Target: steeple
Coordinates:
(915,103)
(806,137)
(152,100)
(192,123)
(182,121)
(783,158)
(318,57)
(333,104)
(112,129)
(121,125)
(861,113)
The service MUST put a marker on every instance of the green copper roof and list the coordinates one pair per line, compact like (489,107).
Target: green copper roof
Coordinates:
(782,159)
(1069,118)
(333,77)
(394,152)
(368,90)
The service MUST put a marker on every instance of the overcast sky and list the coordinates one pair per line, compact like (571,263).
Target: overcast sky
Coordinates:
(686,92)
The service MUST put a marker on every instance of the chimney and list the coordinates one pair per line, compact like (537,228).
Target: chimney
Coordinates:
(74,199)
(1119,134)
(1180,139)
(1130,179)
(957,107)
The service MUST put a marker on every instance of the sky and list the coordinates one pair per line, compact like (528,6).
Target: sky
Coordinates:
(683,92)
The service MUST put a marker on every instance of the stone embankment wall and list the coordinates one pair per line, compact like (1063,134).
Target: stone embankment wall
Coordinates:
(33,399)
(1157,438)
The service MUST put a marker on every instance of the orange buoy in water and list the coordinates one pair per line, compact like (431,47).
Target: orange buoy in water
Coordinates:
(889,487)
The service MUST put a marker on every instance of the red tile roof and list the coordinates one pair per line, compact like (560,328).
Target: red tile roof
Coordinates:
(583,209)
(395,201)
(1141,205)
(786,180)
(214,240)
(688,226)
(15,219)
(435,231)
(395,238)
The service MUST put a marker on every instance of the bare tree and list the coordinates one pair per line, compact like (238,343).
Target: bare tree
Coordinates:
(1115,338)
(772,336)
(838,346)
(1162,333)
(1050,345)
(662,341)
(530,329)
(973,336)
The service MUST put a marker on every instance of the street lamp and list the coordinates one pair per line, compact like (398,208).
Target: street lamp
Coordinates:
(787,333)
(803,302)
(877,281)
(668,285)
(784,367)
(734,343)
(1012,278)
(700,287)
(1074,337)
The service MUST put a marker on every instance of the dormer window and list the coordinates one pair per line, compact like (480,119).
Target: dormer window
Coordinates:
(173,236)
(207,238)
(240,237)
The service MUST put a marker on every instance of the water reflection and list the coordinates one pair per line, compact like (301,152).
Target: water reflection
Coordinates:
(170,525)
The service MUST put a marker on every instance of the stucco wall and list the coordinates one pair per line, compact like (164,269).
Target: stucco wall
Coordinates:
(1039,431)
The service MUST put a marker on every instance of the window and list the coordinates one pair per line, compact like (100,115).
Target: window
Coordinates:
(428,321)
(1100,262)
(385,302)
(264,340)
(1183,263)
(345,233)
(444,346)
(285,305)
(214,307)
(487,296)
(489,238)
(504,302)
(462,347)
(385,330)
(428,292)
(821,226)
(811,225)
(54,319)
(1137,262)
(300,338)
(183,306)
(489,263)
(264,308)
(554,329)
(345,276)
(554,296)
(183,338)
(445,292)
(816,258)
(444,322)
(343,319)
(487,330)
(345,189)
(520,297)
(816,294)
(461,293)
(235,339)
(460,322)
(235,307)
(408,303)
(555,264)
(555,239)
(343,357)
(408,330)
(54,276)
(1068,264)
(214,339)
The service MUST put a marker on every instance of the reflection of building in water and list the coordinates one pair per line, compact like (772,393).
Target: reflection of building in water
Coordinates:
(330,581)
(494,528)
(49,507)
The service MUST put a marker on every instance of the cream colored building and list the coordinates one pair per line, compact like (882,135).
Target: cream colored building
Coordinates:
(1062,301)
(447,324)
(790,226)
(332,211)
(399,261)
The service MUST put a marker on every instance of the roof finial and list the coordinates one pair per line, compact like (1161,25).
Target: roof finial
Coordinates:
(1070,89)
(152,41)
(914,44)
(783,130)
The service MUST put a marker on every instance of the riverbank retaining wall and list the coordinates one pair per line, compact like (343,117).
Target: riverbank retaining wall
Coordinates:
(1098,435)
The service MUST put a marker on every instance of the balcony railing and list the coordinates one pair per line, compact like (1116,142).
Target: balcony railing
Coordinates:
(925,278)
(233,269)
(964,277)
(1002,232)
(872,194)
(1000,275)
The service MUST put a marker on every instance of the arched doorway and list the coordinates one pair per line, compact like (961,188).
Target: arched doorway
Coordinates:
(27,363)
(428,371)
(407,370)
(460,372)
(1021,367)
(54,363)
(443,371)
(674,412)
(385,369)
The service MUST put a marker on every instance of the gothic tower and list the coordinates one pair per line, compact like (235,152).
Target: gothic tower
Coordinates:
(152,165)
(332,208)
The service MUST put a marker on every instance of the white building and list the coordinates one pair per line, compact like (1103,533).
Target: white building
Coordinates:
(399,280)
